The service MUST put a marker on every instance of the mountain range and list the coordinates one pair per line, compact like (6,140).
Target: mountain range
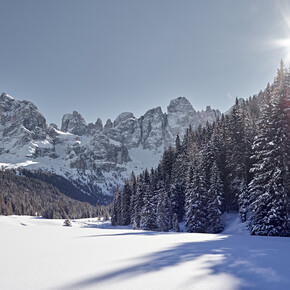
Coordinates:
(88,160)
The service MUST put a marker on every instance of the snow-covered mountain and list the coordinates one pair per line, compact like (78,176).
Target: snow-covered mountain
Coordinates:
(93,157)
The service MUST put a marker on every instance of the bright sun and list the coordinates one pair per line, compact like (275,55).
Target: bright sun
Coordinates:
(284,43)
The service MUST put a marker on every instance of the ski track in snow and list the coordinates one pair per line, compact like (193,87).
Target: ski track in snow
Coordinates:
(42,254)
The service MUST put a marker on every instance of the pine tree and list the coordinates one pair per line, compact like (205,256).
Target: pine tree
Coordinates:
(133,185)
(148,213)
(243,201)
(125,204)
(237,158)
(116,210)
(196,201)
(164,214)
(167,164)
(269,202)
(215,200)
(138,201)
(175,225)
(177,200)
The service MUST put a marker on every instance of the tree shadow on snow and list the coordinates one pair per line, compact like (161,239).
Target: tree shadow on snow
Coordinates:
(253,262)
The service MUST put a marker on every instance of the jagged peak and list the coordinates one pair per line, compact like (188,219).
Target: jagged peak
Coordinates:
(73,123)
(154,111)
(108,124)
(99,124)
(180,104)
(123,117)
(4,96)
(208,109)
(74,115)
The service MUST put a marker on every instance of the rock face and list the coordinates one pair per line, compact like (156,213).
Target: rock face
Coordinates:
(93,157)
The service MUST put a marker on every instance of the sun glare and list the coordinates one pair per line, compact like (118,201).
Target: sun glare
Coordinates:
(283,43)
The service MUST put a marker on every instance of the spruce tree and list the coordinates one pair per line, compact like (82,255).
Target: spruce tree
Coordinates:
(116,210)
(125,204)
(138,201)
(164,214)
(196,201)
(177,200)
(269,201)
(148,212)
(237,159)
(175,224)
(215,200)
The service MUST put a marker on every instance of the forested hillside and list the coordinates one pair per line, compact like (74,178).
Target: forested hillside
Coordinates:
(238,163)
(29,196)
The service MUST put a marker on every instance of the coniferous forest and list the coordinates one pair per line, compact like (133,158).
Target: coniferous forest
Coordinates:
(240,163)
(23,195)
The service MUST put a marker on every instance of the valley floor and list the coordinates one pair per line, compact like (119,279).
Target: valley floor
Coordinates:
(42,254)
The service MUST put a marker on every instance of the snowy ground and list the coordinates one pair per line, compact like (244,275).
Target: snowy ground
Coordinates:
(42,254)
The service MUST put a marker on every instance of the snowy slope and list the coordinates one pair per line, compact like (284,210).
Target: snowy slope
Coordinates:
(42,254)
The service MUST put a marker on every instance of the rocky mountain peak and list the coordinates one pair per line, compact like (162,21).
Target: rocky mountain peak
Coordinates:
(99,125)
(180,105)
(108,125)
(123,117)
(208,109)
(74,123)
(153,112)
(5,102)
(16,115)
(5,97)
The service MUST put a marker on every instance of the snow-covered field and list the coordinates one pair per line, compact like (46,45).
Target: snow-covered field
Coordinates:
(42,254)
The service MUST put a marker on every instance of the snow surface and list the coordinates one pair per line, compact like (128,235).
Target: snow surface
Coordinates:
(43,254)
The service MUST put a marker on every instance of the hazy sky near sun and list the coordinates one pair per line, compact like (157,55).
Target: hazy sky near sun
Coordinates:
(102,58)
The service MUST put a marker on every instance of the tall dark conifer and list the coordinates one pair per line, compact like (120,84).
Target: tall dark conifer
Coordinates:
(148,212)
(116,210)
(196,197)
(125,204)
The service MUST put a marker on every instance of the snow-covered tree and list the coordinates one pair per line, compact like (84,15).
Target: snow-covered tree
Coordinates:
(164,215)
(196,201)
(148,212)
(269,201)
(215,200)
(138,201)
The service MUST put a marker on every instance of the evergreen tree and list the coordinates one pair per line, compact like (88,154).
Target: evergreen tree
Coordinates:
(269,202)
(175,225)
(138,201)
(164,214)
(215,200)
(116,210)
(148,213)
(237,158)
(177,200)
(133,185)
(125,204)
(196,201)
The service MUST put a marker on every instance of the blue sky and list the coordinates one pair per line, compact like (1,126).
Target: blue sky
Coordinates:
(102,58)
